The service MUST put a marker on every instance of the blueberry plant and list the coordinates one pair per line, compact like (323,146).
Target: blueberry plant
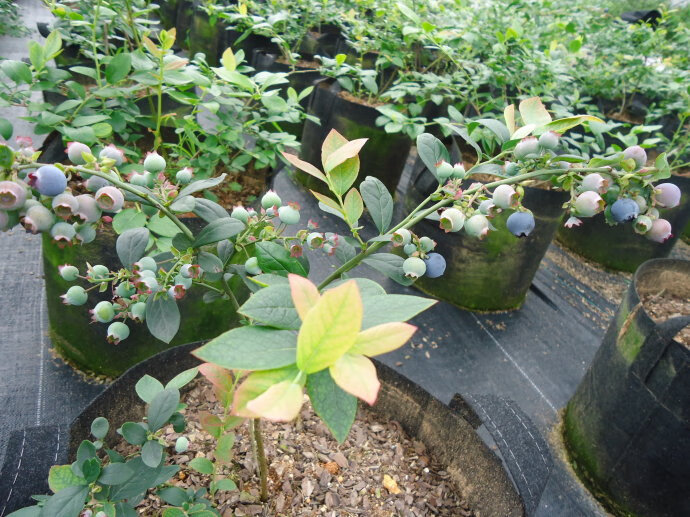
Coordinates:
(297,335)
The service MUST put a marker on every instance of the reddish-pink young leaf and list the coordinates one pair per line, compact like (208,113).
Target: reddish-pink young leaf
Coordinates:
(279,403)
(304,294)
(331,143)
(349,150)
(305,166)
(221,379)
(211,424)
(356,374)
(382,338)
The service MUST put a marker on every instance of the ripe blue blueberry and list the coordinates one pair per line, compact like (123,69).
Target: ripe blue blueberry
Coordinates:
(38,219)
(270,199)
(117,331)
(75,151)
(288,214)
(68,272)
(526,148)
(624,210)
(110,199)
(414,267)
(75,295)
(154,162)
(435,265)
(240,213)
(252,266)
(402,237)
(505,196)
(452,220)
(12,195)
(48,180)
(667,195)
(112,153)
(637,154)
(184,176)
(409,249)
(520,224)
(549,140)
(65,205)
(477,226)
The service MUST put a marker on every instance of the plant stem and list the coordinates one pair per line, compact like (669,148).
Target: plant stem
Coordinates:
(262,464)
(229,292)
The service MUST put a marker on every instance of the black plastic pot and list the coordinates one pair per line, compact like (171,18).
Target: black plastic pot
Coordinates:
(167,12)
(473,468)
(83,343)
(619,247)
(206,37)
(627,427)
(494,273)
(383,156)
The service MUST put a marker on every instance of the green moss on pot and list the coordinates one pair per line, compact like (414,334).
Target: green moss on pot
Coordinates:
(84,344)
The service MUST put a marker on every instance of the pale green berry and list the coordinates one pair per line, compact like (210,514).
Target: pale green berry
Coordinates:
(410,248)
(252,266)
(68,273)
(459,171)
(38,219)
(504,196)
(402,237)
(588,204)
(65,205)
(636,154)
(154,162)
(141,179)
(110,199)
(75,151)
(125,290)
(138,311)
(146,264)
(642,224)
(240,213)
(103,312)
(477,226)
(88,210)
(444,170)
(86,233)
(270,199)
(414,267)
(184,176)
(63,233)
(75,295)
(112,153)
(12,195)
(98,273)
(184,282)
(117,331)
(549,140)
(452,220)
(526,148)
(426,244)
(288,215)
(181,445)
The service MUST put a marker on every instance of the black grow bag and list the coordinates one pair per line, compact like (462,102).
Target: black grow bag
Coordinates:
(383,156)
(627,427)
(494,273)
(473,468)
(619,247)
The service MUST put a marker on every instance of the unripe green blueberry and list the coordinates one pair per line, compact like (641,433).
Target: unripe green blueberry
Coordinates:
(146,264)
(117,331)
(637,154)
(505,196)
(288,215)
(477,226)
(660,231)
(488,208)
(38,219)
(28,204)
(414,267)
(549,140)
(511,168)
(459,171)
(653,213)
(63,233)
(103,312)
(148,284)
(181,445)
(68,272)
(667,195)
(48,180)
(270,199)
(452,220)
(75,295)
(125,290)
(98,273)
(94,183)
(315,240)
(184,176)
(252,266)
(110,199)
(641,202)
(184,282)
(112,153)
(86,233)
(154,162)
(12,195)
(526,148)
(594,183)
(402,237)
(138,311)
(612,193)
(146,273)
(240,213)
(75,151)
(410,248)
(588,204)
(642,224)
(65,205)
(190,271)
(141,179)
(444,170)
(88,210)
(426,244)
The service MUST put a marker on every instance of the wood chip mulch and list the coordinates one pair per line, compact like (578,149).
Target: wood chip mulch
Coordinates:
(663,306)
(377,472)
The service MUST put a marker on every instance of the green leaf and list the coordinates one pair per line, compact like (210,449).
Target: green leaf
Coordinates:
(91,469)
(152,453)
(430,150)
(390,265)
(36,55)
(272,306)
(564,124)
(115,474)
(219,230)
(664,171)
(173,495)
(134,433)
(203,465)
(226,484)
(228,60)
(131,245)
(6,157)
(344,175)
(353,206)
(251,348)
(163,226)
(52,45)
(183,204)
(118,68)
(162,408)
(379,202)
(274,258)
(236,78)
(330,328)
(6,128)
(223,451)
(334,406)
(174,512)
(534,112)
(62,476)
(182,379)
(162,318)
(147,388)
(29,511)
(99,427)
(88,120)
(343,153)
(198,186)
(209,210)
(498,128)
(386,308)
(17,71)
(85,135)
(68,502)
